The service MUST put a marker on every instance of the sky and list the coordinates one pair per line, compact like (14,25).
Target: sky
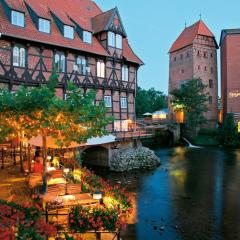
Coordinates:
(153,25)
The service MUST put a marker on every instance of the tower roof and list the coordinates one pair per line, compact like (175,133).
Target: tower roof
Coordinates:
(188,35)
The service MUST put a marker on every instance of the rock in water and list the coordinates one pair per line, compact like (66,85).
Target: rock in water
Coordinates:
(134,158)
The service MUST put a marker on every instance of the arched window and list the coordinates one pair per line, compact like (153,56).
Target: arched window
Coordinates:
(18,56)
(118,41)
(59,61)
(82,64)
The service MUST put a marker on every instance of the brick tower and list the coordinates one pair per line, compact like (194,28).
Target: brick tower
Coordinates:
(194,56)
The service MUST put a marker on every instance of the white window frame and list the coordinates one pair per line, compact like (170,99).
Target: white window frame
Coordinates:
(100,69)
(68,31)
(17,18)
(125,72)
(60,61)
(44,25)
(111,39)
(19,56)
(119,41)
(82,64)
(87,37)
(123,102)
(108,101)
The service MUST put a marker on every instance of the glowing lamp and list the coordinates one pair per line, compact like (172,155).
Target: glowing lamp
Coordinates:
(97,196)
(66,170)
(49,158)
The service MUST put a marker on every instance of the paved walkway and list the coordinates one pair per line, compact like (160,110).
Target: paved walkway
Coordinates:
(13,186)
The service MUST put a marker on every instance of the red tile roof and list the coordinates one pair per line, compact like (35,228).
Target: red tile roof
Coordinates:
(188,35)
(100,21)
(129,54)
(82,12)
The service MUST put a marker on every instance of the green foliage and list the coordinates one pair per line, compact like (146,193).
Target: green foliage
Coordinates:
(228,135)
(34,111)
(206,137)
(149,101)
(192,99)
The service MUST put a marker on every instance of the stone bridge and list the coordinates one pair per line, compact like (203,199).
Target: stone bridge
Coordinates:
(100,155)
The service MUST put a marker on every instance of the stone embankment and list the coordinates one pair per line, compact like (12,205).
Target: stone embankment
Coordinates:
(134,158)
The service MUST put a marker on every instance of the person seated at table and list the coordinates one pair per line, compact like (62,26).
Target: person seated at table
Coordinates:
(38,166)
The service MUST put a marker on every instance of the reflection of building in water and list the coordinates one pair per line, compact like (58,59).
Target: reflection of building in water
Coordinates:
(231,197)
(230,72)
(192,188)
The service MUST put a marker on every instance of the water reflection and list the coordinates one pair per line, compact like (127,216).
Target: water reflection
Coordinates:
(194,195)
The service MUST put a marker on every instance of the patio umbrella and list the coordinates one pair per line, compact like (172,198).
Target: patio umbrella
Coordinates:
(51,142)
(147,114)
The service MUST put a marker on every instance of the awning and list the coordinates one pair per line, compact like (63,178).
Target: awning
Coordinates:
(51,142)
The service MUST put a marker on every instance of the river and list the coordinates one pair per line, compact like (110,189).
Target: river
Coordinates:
(193,195)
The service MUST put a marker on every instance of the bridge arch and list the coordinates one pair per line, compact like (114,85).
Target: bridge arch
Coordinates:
(96,156)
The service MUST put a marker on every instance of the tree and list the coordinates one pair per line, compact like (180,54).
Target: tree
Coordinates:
(228,135)
(38,111)
(149,101)
(191,98)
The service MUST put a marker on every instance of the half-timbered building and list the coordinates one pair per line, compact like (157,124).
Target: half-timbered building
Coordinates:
(89,48)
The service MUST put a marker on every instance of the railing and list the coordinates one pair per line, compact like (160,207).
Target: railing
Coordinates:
(134,134)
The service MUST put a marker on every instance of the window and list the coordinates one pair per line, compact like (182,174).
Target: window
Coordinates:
(211,69)
(175,59)
(111,39)
(182,71)
(118,41)
(108,101)
(187,54)
(198,53)
(17,18)
(101,69)
(123,102)
(205,55)
(210,83)
(82,64)
(68,32)
(211,55)
(87,37)
(59,61)
(43,25)
(181,56)
(125,73)
(205,68)
(210,99)
(18,57)
(199,67)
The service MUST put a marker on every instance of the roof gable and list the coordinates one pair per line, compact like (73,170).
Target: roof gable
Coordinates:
(109,20)
(189,34)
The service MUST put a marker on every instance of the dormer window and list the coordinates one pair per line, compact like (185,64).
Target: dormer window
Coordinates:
(111,39)
(68,32)
(17,18)
(114,40)
(43,25)
(87,37)
(118,41)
